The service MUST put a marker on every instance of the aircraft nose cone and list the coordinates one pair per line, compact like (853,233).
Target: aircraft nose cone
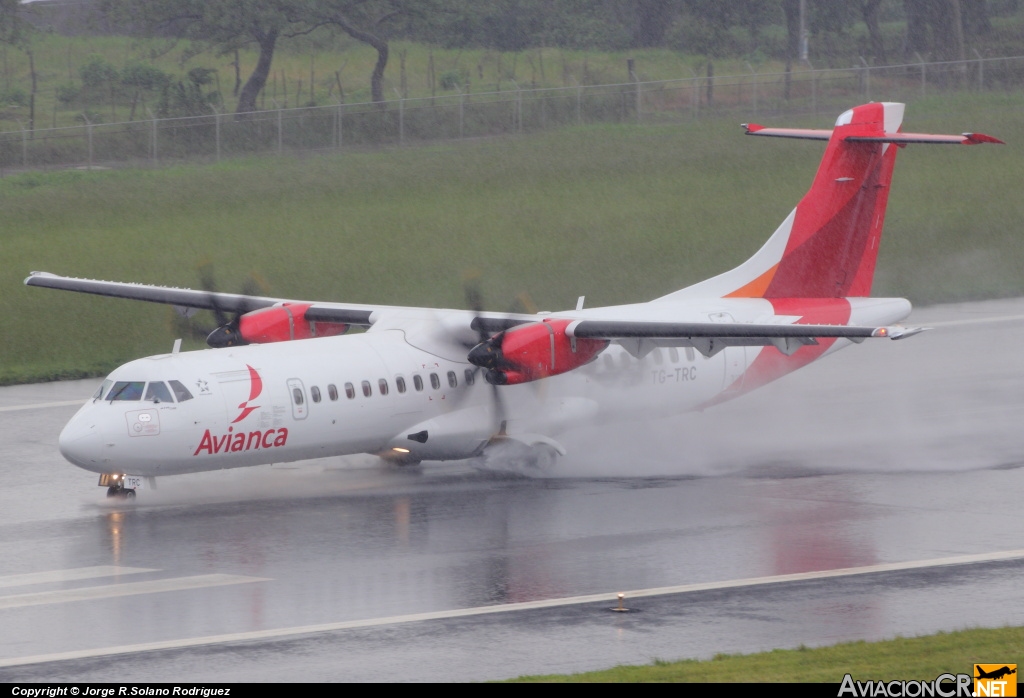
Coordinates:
(81,443)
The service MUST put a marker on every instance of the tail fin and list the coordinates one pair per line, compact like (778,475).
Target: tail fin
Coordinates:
(827,246)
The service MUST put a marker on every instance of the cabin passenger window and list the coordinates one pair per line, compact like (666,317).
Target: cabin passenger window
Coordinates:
(158,392)
(400,384)
(350,391)
(126,390)
(180,391)
(297,396)
(417,382)
(453,381)
(367,390)
(332,392)
(314,392)
(673,355)
(383,385)
(102,389)
(470,376)
(689,354)
(609,362)
(435,382)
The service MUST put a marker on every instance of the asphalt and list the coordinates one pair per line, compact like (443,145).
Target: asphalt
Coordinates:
(870,495)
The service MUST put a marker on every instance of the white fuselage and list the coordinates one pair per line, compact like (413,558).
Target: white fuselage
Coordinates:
(396,388)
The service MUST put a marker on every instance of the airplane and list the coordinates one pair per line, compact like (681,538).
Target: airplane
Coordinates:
(282,381)
(995,674)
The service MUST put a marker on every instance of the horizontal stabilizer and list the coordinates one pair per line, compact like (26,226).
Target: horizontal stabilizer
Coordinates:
(898,138)
(813,134)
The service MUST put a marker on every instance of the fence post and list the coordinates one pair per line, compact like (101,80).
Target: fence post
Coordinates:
(867,79)
(924,82)
(280,140)
(462,104)
(814,89)
(519,107)
(981,70)
(401,117)
(711,82)
(216,129)
(579,100)
(636,87)
(153,119)
(694,93)
(88,136)
(754,83)
(24,144)
(339,115)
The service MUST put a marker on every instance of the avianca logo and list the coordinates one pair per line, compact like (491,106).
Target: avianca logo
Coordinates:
(233,443)
(255,388)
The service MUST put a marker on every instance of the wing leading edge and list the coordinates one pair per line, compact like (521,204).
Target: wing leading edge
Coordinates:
(200,300)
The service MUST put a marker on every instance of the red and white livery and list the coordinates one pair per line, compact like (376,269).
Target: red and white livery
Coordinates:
(284,382)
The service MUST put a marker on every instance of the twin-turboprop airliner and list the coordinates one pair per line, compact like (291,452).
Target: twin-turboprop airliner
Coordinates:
(283,382)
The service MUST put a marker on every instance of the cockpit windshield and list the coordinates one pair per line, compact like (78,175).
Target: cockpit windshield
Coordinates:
(180,391)
(158,392)
(154,391)
(126,390)
(102,390)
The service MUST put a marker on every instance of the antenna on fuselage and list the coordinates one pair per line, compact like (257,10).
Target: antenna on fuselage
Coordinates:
(177,346)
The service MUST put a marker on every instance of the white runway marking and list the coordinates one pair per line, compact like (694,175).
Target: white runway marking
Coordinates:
(17,580)
(129,589)
(609,598)
(40,405)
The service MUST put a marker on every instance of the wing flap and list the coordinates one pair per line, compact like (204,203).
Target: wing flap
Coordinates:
(709,338)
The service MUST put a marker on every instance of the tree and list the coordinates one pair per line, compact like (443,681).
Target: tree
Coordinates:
(224,24)
(229,25)
(935,27)
(371,22)
(870,10)
(16,31)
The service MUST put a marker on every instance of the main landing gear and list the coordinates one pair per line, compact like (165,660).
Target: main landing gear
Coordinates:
(114,482)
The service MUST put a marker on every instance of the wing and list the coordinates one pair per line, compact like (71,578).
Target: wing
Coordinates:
(639,338)
(201,300)
(262,319)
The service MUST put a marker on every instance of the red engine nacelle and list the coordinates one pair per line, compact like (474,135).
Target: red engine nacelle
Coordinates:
(283,323)
(534,351)
(280,323)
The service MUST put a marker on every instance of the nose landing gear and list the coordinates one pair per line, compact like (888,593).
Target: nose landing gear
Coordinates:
(114,482)
(119,491)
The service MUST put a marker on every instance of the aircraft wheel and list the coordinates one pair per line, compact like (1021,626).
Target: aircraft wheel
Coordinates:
(113,492)
(128,494)
(543,459)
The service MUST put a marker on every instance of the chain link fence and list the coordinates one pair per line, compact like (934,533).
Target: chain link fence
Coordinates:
(406,121)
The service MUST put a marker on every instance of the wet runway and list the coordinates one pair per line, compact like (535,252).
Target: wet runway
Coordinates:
(891,459)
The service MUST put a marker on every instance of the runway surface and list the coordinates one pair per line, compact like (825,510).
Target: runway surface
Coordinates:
(870,495)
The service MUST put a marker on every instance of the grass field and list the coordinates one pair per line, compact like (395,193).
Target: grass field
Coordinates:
(616,213)
(920,658)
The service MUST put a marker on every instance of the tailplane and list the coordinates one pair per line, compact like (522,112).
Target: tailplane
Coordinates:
(827,246)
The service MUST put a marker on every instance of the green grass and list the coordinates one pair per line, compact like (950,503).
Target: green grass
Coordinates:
(617,213)
(919,658)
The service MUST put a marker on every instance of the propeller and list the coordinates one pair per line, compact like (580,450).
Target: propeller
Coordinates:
(471,286)
(225,333)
